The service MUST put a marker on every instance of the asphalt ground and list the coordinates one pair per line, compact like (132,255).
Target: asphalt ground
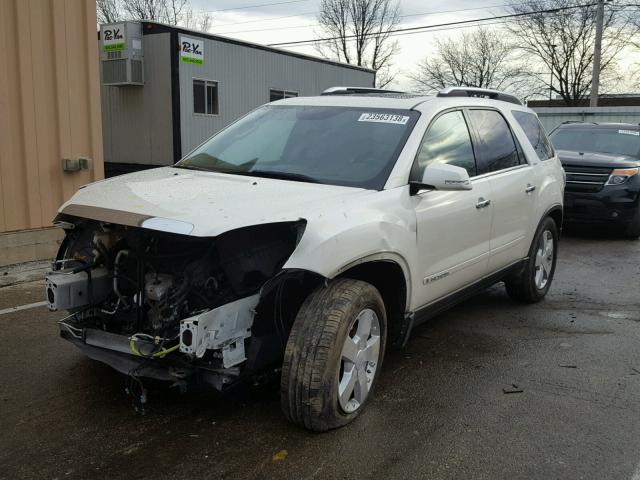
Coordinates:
(572,363)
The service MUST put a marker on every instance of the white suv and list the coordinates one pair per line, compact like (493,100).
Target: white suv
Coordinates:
(305,239)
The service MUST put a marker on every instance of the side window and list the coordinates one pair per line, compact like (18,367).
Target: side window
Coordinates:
(280,94)
(535,133)
(447,141)
(205,97)
(497,149)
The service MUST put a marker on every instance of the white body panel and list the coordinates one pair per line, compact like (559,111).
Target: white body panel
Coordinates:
(512,207)
(448,255)
(440,239)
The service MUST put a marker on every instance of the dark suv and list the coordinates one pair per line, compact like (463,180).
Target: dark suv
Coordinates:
(602,164)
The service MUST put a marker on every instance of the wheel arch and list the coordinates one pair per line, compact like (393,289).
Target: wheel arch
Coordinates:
(391,280)
(556,213)
(286,292)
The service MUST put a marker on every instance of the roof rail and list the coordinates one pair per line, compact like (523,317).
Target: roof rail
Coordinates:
(478,92)
(356,90)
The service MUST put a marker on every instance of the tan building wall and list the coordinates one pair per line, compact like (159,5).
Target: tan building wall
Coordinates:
(49,107)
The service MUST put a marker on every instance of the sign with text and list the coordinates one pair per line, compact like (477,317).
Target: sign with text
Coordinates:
(113,37)
(192,50)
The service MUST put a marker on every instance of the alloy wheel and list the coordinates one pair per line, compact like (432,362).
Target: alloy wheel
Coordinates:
(359,360)
(544,260)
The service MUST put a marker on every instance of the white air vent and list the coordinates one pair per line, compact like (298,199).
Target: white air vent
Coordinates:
(121,54)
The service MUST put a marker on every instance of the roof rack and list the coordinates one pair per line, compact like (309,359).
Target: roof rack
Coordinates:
(478,92)
(356,90)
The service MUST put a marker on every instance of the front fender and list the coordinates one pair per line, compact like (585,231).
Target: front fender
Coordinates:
(385,231)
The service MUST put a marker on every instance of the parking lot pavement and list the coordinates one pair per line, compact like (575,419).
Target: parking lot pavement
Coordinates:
(440,410)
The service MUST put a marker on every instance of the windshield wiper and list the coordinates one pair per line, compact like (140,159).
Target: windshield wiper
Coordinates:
(298,177)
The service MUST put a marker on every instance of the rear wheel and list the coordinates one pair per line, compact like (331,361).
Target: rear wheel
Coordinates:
(333,356)
(533,283)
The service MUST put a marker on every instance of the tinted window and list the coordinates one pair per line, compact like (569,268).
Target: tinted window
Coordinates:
(280,94)
(496,150)
(334,145)
(619,141)
(198,96)
(212,98)
(535,133)
(447,141)
(205,97)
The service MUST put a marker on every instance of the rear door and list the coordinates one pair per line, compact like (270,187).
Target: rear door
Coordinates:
(454,227)
(501,161)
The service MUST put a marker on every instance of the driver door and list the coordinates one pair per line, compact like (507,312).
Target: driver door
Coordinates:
(453,227)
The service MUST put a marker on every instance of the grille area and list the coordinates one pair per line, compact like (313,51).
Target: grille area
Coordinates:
(114,71)
(136,71)
(586,179)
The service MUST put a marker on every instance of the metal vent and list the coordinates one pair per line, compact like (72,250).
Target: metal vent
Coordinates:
(114,71)
(114,55)
(136,71)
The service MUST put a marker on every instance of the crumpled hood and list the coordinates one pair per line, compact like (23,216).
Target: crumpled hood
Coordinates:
(212,203)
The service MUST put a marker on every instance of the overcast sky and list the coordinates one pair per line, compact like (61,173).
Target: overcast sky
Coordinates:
(266,24)
(291,20)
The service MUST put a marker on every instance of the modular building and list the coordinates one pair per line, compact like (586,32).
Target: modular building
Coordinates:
(166,89)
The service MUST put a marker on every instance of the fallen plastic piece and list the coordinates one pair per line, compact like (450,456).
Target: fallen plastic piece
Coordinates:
(512,389)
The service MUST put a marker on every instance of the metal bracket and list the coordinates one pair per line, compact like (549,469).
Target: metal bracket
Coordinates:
(224,328)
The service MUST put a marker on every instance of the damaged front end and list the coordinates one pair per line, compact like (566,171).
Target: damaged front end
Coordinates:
(175,307)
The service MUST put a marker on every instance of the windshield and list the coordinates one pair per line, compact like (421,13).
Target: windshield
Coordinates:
(619,141)
(332,145)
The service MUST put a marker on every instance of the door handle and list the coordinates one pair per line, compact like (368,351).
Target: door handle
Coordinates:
(482,203)
(530,188)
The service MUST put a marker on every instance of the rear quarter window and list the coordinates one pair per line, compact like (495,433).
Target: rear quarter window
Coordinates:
(535,133)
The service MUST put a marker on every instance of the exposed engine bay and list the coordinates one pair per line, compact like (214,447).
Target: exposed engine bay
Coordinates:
(172,306)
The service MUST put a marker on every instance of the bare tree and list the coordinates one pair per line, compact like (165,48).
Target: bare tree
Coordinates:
(359,33)
(172,12)
(632,15)
(109,11)
(632,12)
(197,21)
(155,10)
(482,58)
(561,44)
(176,10)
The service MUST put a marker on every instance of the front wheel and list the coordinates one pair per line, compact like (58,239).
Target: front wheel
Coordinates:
(333,355)
(533,283)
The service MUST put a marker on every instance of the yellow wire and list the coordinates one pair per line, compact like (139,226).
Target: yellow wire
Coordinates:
(160,354)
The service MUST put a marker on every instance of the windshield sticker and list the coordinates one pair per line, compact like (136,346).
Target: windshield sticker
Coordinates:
(384,118)
(629,132)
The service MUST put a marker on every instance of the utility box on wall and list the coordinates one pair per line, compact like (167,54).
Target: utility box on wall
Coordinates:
(121,54)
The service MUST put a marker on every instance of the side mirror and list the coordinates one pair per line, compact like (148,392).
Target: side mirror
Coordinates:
(442,176)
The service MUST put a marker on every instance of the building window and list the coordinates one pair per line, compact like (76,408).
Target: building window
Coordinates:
(205,97)
(280,94)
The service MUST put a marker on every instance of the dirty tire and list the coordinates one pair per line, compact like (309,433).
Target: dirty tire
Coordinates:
(523,287)
(312,360)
